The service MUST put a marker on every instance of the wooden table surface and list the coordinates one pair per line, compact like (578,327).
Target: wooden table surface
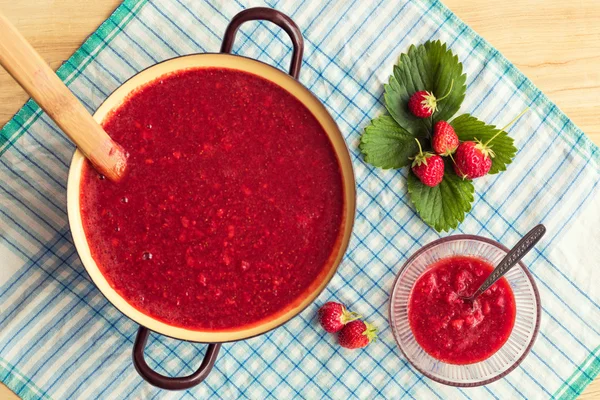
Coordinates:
(556,43)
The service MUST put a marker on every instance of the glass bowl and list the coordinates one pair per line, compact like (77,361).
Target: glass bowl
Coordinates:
(509,356)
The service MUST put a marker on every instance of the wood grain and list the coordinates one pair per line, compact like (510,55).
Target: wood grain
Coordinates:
(27,67)
(556,43)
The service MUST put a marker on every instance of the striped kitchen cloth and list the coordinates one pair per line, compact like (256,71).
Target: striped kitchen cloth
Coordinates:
(59,337)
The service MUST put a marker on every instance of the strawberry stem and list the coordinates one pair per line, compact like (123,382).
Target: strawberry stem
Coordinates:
(349,316)
(449,91)
(516,118)
(507,125)
(420,149)
(420,158)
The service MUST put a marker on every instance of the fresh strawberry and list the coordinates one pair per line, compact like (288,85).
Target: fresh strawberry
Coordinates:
(445,140)
(422,104)
(357,334)
(472,160)
(428,167)
(333,316)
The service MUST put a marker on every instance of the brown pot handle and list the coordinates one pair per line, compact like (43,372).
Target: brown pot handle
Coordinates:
(165,382)
(276,17)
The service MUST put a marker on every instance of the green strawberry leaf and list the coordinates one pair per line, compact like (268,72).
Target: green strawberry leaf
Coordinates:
(442,207)
(468,127)
(432,67)
(385,144)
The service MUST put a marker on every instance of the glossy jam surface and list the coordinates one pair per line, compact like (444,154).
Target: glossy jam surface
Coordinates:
(452,330)
(230,208)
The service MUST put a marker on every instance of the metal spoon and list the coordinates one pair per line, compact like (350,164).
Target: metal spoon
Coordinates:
(510,260)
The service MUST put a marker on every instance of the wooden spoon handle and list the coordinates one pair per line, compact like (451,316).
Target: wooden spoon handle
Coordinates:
(35,76)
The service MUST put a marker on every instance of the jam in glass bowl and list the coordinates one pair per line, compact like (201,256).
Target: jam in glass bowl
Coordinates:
(451,343)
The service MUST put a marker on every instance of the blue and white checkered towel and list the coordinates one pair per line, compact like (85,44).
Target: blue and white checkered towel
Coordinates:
(59,337)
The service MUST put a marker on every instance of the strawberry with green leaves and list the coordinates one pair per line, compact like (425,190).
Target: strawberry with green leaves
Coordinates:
(428,167)
(473,159)
(357,334)
(333,316)
(444,141)
(423,104)
(414,110)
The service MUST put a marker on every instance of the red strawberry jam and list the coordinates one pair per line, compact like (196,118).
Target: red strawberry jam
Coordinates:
(231,205)
(451,329)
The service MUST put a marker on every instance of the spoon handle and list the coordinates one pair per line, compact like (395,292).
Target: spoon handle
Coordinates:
(28,68)
(513,257)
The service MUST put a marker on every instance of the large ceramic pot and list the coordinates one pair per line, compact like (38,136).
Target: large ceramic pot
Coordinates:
(214,338)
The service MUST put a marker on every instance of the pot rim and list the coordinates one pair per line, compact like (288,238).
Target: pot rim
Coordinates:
(296,89)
